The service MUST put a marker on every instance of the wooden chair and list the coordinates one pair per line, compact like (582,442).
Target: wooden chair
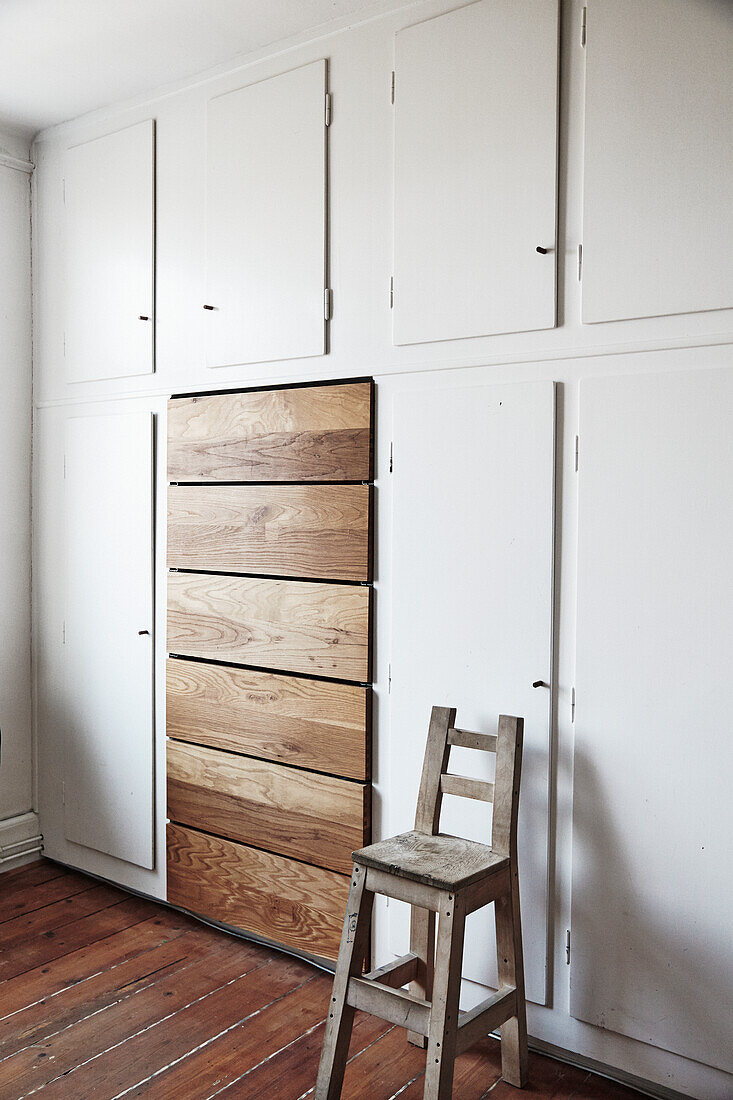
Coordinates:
(451,877)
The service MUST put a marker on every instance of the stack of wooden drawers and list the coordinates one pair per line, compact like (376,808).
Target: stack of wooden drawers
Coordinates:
(269,626)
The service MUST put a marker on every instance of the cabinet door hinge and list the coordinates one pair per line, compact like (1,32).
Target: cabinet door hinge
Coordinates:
(580,262)
(327,304)
(583,27)
(391,292)
(391,457)
(63,793)
(572,704)
(389,681)
(63,633)
(328,109)
(391,88)
(567,947)
(577,446)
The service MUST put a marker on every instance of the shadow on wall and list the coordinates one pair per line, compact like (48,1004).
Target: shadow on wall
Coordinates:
(641,975)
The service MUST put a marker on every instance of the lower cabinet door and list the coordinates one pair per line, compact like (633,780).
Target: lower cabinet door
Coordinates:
(279,899)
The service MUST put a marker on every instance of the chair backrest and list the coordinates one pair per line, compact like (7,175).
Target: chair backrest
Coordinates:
(436,780)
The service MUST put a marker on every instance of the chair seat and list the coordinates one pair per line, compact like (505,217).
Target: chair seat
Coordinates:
(446,862)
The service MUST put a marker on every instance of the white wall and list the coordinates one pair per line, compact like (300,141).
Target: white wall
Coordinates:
(360,169)
(16,771)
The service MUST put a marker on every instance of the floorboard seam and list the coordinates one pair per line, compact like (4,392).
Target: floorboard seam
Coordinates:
(129,1038)
(212,1038)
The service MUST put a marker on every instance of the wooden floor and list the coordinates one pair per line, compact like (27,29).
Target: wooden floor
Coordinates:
(104,995)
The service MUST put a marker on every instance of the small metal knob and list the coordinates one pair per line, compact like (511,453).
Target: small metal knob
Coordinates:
(542,251)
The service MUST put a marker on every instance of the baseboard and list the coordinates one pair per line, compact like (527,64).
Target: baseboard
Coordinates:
(20,840)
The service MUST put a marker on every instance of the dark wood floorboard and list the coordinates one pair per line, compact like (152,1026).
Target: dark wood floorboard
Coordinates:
(105,995)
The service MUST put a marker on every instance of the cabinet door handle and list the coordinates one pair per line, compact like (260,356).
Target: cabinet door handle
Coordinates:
(542,251)
(540,684)
(144,632)
(142,318)
(209,307)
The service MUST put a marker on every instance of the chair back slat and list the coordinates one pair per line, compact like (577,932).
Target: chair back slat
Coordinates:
(436,780)
(464,787)
(467,739)
(437,751)
(506,785)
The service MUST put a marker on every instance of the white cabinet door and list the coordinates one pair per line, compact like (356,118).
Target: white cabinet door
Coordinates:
(658,215)
(652,952)
(266,220)
(472,620)
(109,194)
(108,715)
(475,172)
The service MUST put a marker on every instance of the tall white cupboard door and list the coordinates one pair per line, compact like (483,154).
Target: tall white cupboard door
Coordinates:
(472,621)
(657,213)
(109,196)
(266,220)
(108,763)
(475,94)
(652,951)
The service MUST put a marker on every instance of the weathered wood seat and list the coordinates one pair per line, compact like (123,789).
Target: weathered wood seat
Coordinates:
(450,877)
(445,862)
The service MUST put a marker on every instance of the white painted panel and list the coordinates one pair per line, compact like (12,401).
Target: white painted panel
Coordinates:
(652,953)
(109,193)
(471,619)
(266,220)
(475,172)
(658,216)
(108,764)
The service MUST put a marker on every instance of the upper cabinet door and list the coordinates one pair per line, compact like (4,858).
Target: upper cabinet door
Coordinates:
(475,172)
(109,193)
(658,216)
(266,220)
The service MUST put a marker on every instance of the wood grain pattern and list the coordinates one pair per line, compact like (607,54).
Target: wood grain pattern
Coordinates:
(296,626)
(315,818)
(280,899)
(314,433)
(310,723)
(287,530)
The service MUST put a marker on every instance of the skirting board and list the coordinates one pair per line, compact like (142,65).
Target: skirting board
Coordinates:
(20,840)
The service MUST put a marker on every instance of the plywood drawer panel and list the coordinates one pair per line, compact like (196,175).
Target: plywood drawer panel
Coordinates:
(310,723)
(288,530)
(313,433)
(315,818)
(299,906)
(295,626)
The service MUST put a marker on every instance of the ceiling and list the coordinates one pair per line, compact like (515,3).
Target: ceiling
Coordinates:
(62,58)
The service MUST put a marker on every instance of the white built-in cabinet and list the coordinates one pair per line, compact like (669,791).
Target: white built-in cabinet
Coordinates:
(471,584)
(266,291)
(109,250)
(107,709)
(475,100)
(658,215)
(652,897)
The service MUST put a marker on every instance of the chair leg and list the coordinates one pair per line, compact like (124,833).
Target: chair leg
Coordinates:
(514,1052)
(446,991)
(354,944)
(422,942)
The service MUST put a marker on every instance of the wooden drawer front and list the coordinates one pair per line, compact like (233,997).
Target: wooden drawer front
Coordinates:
(288,530)
(284,901)
(294,626)
(311,817)
(315,433)
(311,723)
